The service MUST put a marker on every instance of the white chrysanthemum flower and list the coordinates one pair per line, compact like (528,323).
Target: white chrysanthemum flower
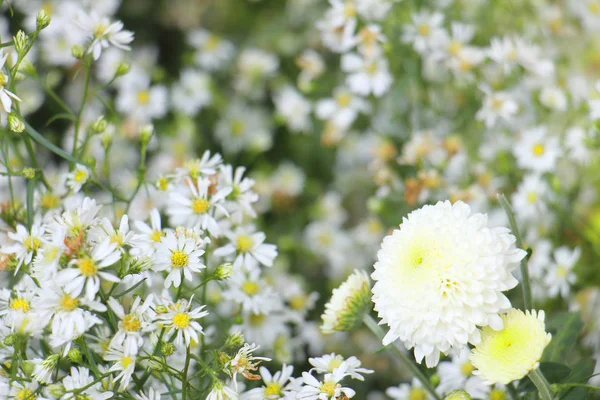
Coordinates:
(512,352)
(347,303)
(77,178)
(80,380)
(329,388)
(182,321)
(330,362)
(440,276)
(280,385)
(180,256)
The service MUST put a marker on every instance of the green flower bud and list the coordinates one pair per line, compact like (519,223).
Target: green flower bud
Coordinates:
(234,341)
(75,355)
(21,42)
(43,20)
(10,340)
(28,173)
(458,395)
(56,390)
(348,304)
(123,69)
(161,309)
(15,123)
(224,271)
(146,134)
(28,367)
(99,126)
(78,52)
(167,349)
(435,379)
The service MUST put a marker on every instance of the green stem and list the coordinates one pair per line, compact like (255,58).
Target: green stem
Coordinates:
(184,375)
(574,385)
(86,87)
(526,287)
(542,385)
(410,364)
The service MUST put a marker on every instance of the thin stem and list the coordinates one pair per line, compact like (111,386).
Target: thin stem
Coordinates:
(86,87)
(542,385)
(526,287)
(574,385)
(184,375)
(410,364)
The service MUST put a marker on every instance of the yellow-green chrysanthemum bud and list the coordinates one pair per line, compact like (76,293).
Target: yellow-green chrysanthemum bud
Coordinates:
(223,358)
(57,390)
(234,341)
(75,356)
(512,352)
(224,271)
(167,349)
(458,395)
(10,340)
(28,173)
(123,69)
(15,123)
(137,266)
(78,52)
(146,134)
(99,126)
(161,309)
(42,20)
(347,304)
(21,42)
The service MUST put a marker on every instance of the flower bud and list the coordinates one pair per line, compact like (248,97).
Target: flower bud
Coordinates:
(348,304)
(458,395)
(161,309)
(146,134)
(224,271)
(15,124)
(75,356)
(234,340)
(28,367)
(43,20)
(78,52)
(28,173)
(56,390)
(99,126)
(21,42)
(123,69)
(167,349)
(10,340)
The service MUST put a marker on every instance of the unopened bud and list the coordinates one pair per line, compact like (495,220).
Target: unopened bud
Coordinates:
(224,271)
(146,134)
(123,69)
(56,390)
(167,349)
(15,123)
(223,358)
(43,20)
(78,52)
(28,173)
(234,340)
(106,139)
(10,340)
(99,126)
(21,42)
(75,356)
(28,367)
(458,395)
(161,309)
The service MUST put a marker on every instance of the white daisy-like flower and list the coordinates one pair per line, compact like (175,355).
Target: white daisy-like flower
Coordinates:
(124,363)
(180,256)
(78,177)
(26,243)
(512,352)
(280,385)
(245,363)
(560,276)
(458,374)
(252,292)
(44,368)
(408,391)
(343,108)
(6,96)
(328,389)
(239,202)
(248,248)
(150,235)
(367,75)
(104,33)
(88,271)
(212,51)
(80,378)
(331,362)
(440,276)
(220,391)
(206,165)
(132,325)
(181,321)
(196,205)
(537,150)
(425,32)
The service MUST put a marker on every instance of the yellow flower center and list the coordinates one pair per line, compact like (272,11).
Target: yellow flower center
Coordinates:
(157,236)
(335,362)
(562,271)
(81,176)
(455,47)
(497,394)
(181,320)
(49,201)
(344,99)
(538,149)
(467,368)
(126,361)
(350,11)
(68,303)
(497,104)
(594,7)
(298,302)
(131,323)
(179,259)
(100,30)
(237,127)
(118,240)
(212,43)
(20,304)
(424,30)
(532,197)
(417,394)
(200,206)
(26,394)
(245,243)
(3,79)
(257,319)
(273,389)
(371,68)
(88,267)
(32,244)
(143,97)
(162,184)
(329,388)
(251,288)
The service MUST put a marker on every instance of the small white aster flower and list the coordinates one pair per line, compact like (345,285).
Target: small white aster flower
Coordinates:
(44,368)
(124,363)
(178,255)
(280,385)
(512,352)
(440,276)
(245,363)
(26,243)
(6,96)
(537,150)
(248,248)
(328,389)
(331,362)
(347,304)
(80,378)
(458,374)
(78,177)
(220,391)
(180,320)
(367,75)
(132,325)
(560,276)
(104,33)
(408,391)
(252,292)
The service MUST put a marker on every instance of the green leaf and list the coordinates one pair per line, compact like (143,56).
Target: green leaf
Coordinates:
(554,373)
(35,135)
(565,328)
(580,373)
